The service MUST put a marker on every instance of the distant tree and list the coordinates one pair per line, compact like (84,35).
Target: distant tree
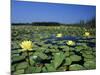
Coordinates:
(82,22)
(46,24)
(20,24)
(91,23)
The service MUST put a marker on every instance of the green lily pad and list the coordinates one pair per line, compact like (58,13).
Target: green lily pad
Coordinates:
(41,49)
(90,64)
(58,59)
(44,69)
(17,72)
(78,48)
(62,47)
(66,48)
(71,53)
(41,55)
(22,65)
(68,61)
(38,69)
(88,56)
(87,59)
(14,55)
(75,67)
(29,70)
(71,49)
(67,53)
(50,67)
(13,67)
(15,52)
(63,68)
(17,58)
(75,58)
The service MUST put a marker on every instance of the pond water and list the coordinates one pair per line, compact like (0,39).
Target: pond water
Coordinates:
(53,39)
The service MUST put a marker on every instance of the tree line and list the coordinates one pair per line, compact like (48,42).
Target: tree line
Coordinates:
(89,23)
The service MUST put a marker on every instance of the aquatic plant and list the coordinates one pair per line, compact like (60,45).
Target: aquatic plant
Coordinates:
(87,34)
(70,43)
(40,52)
(59,35)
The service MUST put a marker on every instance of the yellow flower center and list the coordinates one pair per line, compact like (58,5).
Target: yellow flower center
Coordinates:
(59,35)
(87,33)
(70,42)
(26,45)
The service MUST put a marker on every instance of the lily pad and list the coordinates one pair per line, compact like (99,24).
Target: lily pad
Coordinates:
(22,65)
(58,59)
(19,72)
(75,67)
(90,64)
(78,48)
(67,53)
(68,61)
(17,58)
(44,69)
(50,67)
(88,56)
(75,58)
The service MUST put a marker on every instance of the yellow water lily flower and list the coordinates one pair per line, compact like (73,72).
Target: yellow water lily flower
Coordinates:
(70,42)
(59,35)
(87,34)
(26,45)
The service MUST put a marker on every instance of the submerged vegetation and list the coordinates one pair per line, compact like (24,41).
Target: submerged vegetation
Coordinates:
(38,49)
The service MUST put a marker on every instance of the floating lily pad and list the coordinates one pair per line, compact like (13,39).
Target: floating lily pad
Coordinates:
(17,58)
(89,56)
(89,52)
(75,58)
(15,52)
(62,47)
(19,72)
(68,61)
(78,48)
(71,49)
(50,67)
(75,67)
(22,65)
(58,59)
(67,53)
(72,53)
(87,59)
(41,55)
(63,68)
(13,67)
(41,49)
(66,48)
(44,69)
(15,55)
(38,69)
(29,69)
(90,64)
(51,50)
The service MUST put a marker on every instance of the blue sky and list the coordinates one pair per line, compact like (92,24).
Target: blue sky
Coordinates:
(23,12)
